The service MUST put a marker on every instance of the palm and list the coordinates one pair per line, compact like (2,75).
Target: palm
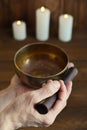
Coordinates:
(19,87)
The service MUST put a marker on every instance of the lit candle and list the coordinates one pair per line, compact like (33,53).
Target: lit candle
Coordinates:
(19,30)
(65,27)
(42,23)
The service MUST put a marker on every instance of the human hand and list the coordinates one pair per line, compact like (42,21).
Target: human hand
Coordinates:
(21,112)
(15,89)
(20,88)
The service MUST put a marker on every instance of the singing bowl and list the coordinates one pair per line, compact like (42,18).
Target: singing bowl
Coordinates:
(36,63)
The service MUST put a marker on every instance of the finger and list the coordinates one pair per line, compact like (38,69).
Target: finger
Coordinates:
(57,108)
(69,88)
(62,99)
(47,90)
(63,91)
(70,64)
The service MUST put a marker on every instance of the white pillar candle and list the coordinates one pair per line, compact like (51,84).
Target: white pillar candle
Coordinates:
(19,30)
(65,27)
(42,23)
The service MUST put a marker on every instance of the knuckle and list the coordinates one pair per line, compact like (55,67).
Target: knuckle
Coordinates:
(50,90)
(52,86)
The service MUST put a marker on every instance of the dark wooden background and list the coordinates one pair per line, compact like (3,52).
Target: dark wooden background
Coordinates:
(11,10)
(74,116)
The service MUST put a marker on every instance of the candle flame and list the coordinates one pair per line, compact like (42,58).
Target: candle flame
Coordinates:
(18,22)
(42,9)
(66,16)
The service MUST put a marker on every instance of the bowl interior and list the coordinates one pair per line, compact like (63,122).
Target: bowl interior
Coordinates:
(40,60)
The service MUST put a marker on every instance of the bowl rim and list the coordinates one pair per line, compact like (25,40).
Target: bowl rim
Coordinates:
(46,43)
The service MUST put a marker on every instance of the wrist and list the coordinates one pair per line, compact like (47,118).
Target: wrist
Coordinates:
(5,121)
(8,120)
(6,97)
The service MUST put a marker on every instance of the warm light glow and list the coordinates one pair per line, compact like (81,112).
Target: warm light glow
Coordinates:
(27,61)
(42,9)
(66,16)
(19,22)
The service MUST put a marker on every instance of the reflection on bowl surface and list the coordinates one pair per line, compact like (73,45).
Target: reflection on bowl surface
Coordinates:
(41,65)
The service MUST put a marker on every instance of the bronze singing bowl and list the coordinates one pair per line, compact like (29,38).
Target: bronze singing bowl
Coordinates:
(35,63)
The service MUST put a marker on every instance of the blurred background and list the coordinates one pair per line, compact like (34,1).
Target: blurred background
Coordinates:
(11,10)
(74,116)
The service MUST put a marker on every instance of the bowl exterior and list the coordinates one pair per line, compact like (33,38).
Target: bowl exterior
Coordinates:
(36,82)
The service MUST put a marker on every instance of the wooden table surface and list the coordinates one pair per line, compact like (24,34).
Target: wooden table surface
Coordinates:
(74,116)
